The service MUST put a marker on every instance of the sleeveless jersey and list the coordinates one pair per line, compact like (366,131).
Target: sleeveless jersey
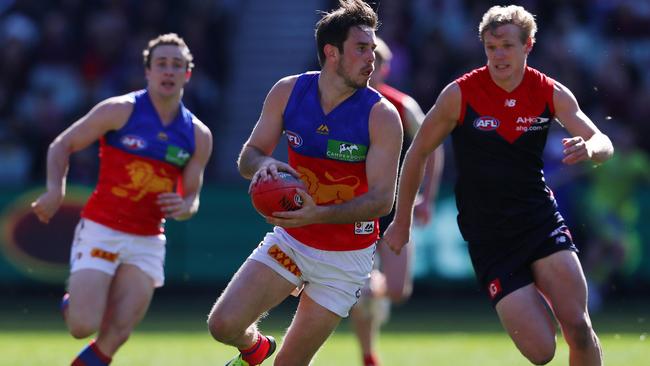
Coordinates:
(498,145)
(329,152)
(137,162)
(396,98)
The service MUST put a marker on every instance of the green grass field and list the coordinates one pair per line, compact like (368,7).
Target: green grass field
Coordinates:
(419,333)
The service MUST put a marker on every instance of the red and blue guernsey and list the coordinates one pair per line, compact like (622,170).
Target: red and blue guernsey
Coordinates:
(138,162)
(498,145)
(329,151)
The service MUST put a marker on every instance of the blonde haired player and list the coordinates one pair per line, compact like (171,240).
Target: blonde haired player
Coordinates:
(522,251)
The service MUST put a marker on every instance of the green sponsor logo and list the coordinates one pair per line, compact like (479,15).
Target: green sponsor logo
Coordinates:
(176,155)
(346,151)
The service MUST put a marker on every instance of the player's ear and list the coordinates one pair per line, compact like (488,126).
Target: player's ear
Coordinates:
(529,44)
(331,51)
(188,75)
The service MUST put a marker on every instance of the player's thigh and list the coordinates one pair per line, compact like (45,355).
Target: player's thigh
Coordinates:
(397,269)
(527,320)
(88,289)
(560,277)
(129,297)
(253,290)
(310,328)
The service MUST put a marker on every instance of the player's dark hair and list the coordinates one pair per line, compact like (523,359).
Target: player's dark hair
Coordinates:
(334,26)
(167,39)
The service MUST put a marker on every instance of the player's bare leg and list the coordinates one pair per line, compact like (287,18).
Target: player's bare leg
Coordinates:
(254,289)
(88,292)
(397,271)
(368,314)
(129,298)
(524,315)
(560,277)
(310,328)
(393,285)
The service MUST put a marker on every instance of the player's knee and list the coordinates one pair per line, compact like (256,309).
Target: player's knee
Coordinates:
(223,329)
(578,332)
(80,327)
(541,355)
(81,330)
(541,360)
(541,352)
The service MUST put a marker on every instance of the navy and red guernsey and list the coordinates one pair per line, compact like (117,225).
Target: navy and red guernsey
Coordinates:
(329,151)
(498,145)
(138,162)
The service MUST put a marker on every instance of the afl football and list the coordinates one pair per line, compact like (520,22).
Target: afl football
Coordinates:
(275,195)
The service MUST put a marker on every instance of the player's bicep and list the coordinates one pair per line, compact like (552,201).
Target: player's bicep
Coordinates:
(569,114)
(193,171)
(382,160)
(108,115)
(268,129)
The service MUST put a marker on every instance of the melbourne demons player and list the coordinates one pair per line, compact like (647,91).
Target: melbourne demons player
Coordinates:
(498,117)
(153,152)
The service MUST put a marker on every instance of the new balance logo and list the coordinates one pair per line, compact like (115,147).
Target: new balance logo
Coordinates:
(323,130)
(510,102)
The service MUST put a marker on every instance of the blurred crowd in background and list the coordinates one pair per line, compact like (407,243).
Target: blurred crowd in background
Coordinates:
(61,57)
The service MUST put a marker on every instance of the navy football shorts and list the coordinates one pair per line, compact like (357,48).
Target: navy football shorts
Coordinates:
(501,267)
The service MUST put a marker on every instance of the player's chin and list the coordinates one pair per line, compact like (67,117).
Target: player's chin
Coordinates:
(362,82)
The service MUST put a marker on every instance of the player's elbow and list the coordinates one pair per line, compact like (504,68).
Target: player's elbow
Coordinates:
(242,163)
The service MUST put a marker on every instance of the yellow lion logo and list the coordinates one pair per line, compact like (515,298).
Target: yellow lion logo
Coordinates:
(143,180)
(326,193)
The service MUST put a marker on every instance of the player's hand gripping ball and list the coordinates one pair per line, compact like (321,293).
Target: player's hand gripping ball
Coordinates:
(275,195)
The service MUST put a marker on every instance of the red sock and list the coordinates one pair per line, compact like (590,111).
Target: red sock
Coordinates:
(370,360)
(91,356)
(257,353)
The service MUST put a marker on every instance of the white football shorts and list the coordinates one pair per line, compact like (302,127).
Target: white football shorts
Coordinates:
(99,247)
(333,279)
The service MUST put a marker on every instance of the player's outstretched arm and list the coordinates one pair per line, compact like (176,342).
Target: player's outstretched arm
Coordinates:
(255,161)
(437,125)
(108,115)
(587,143)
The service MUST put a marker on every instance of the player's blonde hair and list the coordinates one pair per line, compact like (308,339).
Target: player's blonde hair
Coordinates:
(497,16)
(168,39)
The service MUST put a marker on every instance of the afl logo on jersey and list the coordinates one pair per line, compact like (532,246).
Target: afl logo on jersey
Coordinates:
(294,139)
(486,123)
(133,142)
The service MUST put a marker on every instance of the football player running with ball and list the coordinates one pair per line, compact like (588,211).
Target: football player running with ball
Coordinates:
(344,143)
